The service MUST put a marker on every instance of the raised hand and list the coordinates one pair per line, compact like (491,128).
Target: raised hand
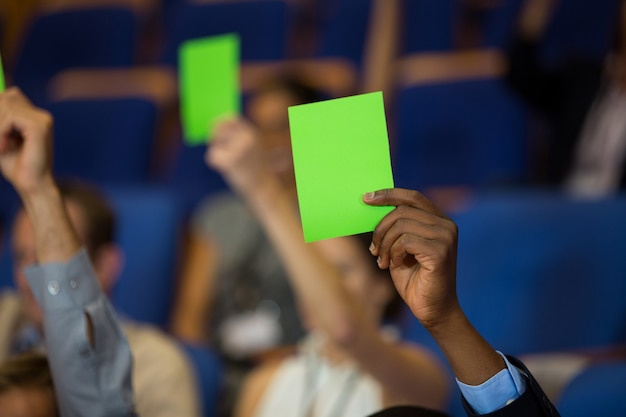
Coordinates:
(25,142)
(418,243)
(235,151)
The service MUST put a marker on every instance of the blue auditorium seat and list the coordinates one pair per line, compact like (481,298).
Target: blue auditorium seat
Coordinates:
(344,30)
(428,25)
(208,369)
(9,203)
(469,132)
(578,31)
(191,178)
(261,25)
(597,391)
(543,272)
(149,222)
(90,37)
(501,23)
(104,140)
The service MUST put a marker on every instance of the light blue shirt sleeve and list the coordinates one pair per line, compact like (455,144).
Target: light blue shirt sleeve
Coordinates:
(501,389)
(89,380)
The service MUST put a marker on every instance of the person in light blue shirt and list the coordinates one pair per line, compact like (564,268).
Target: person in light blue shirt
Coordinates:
(88,354)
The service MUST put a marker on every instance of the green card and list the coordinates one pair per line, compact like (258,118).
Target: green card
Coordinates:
(2,86)
(209,84)
(340,152)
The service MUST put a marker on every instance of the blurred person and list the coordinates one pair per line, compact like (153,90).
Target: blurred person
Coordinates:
(26,387)
(581,100)
(163,382)
(346,365)
(338,295)
(89,357)
(233,291)
(417,242)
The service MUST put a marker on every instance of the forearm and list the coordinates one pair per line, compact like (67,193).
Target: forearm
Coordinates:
(55,238)
(472,359)
(316,282)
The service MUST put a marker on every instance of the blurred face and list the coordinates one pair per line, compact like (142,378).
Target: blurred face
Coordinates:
(24,253)
(28,402)
(364,282)
(268,111)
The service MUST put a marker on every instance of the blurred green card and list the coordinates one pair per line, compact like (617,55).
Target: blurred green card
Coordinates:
(2,86)
(340,152)
(209,84)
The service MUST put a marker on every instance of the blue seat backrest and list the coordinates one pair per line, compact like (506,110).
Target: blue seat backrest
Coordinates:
(91,37)
(429,25)
(208,370)
(597,391)
(104,140)
(148,230)
(541,272)
(472,133)
(261,25)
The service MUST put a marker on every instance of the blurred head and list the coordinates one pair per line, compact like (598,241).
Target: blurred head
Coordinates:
(26,388)
(370,285)
(267,109)
(94,223)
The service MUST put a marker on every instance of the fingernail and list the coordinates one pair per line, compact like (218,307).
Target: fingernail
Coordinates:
(369,195)
(378,261)
(372,247)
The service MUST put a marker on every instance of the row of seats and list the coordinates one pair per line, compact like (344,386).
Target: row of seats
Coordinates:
(471,133)
(109,36)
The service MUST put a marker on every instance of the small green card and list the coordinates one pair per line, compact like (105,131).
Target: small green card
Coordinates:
(2,85)
(209,84)
(340,152)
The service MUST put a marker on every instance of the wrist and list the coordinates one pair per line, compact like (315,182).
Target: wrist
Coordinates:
(42,190)
(263,189)
(447,323)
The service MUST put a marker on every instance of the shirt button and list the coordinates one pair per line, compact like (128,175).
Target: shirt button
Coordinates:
(74,283)
(54,287)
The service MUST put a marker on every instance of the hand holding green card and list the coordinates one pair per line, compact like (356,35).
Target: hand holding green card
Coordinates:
(209,84)
(340,152)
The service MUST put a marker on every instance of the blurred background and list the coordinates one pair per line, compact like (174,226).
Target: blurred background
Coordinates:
(509,114)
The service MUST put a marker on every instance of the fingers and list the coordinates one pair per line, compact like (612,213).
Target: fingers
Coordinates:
(18,115)
(407,225)
(401,196)
(414,215)
(409,250)
(225,128)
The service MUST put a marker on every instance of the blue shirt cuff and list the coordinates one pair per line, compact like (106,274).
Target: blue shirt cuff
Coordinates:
(498,391)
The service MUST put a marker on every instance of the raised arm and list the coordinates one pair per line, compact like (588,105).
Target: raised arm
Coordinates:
(25,161)
(236,153)
(418,244)
(88,355)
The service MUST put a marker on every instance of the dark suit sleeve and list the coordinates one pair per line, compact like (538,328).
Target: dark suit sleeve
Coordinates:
(533,402)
